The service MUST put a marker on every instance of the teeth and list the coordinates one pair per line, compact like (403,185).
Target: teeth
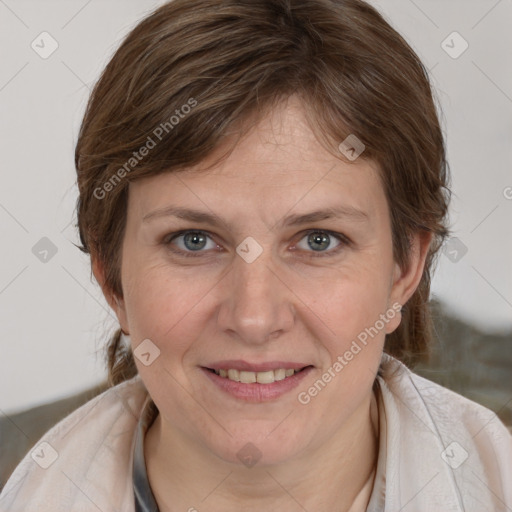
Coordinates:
(247,377)
(261,377)
(265,377)
(280,374)
(234,375)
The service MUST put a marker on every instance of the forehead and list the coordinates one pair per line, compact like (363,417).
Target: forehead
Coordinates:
(279,163)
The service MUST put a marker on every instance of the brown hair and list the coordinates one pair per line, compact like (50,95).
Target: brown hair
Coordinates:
(229,61)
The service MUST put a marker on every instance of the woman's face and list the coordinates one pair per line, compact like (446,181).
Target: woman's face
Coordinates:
(223,270)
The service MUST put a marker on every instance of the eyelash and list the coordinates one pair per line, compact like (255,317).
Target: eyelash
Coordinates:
(344,242)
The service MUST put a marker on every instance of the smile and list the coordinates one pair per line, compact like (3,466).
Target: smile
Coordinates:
(247,377)
(256,386)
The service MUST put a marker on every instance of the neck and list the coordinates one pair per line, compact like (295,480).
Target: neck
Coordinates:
(185,476)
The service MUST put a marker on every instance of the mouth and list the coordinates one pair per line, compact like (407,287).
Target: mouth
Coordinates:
(253,377)
(256,383)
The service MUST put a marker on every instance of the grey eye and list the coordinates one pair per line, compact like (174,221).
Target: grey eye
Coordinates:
(194,241)
(319,241)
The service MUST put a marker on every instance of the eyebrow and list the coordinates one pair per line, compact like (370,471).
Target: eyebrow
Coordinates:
(290,220)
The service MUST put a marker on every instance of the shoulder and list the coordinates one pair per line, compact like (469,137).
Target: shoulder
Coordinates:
(432,429)
(85,457)
(445,407)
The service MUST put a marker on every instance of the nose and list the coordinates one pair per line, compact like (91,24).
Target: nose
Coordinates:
(257,304)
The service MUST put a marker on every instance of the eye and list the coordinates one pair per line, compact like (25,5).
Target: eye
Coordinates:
(190,242)
(195,243)
(319,241)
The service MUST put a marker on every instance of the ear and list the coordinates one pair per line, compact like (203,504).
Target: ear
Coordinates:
(116,303)
(406,280)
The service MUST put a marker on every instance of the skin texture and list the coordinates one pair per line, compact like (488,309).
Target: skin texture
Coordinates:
(287,305)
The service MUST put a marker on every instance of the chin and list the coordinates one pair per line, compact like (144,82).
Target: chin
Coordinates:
(257,447)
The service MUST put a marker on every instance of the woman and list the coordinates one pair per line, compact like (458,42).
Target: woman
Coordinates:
(263,191)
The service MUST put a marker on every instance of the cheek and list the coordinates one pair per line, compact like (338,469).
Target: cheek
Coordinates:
(164,308)
(353,299)
(161,305)
(355,308)
(352,310)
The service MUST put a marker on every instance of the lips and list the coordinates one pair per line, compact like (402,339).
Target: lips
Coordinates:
(256,382)
(258,386)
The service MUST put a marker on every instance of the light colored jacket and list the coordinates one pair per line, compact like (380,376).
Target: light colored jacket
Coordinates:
(438,452)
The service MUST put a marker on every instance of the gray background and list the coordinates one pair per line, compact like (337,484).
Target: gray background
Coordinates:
(54,319)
